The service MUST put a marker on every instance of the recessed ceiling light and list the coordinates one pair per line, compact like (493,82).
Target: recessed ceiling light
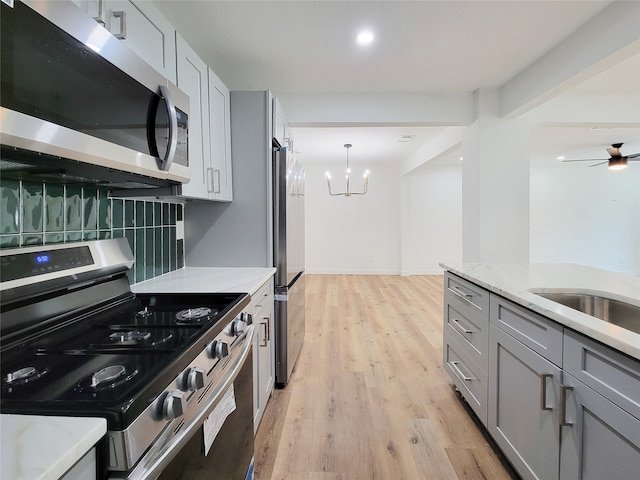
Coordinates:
(364,38)
(461,158)
(561,157)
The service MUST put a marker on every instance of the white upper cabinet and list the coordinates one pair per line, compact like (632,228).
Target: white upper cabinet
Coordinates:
(141,27)
(192,79)
(220,140)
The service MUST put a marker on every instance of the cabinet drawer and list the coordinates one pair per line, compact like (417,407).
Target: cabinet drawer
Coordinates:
(540,334)
(467,377)
(467,297)
(610,373)
(263,296)
(473,334)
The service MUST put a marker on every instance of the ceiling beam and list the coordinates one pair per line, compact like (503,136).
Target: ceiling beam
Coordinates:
(605,40)
(339,110)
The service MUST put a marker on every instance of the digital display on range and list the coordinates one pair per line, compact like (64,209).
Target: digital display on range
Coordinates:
(42,259)
(22,265)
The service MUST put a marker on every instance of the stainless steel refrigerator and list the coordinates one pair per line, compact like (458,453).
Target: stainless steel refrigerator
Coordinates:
(251,231)
(288,254)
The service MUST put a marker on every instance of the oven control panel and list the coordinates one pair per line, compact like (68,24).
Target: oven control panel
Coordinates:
(23,265)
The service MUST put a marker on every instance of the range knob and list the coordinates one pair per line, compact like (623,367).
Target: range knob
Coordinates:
(173,405)
(192,379)
(238,324)
(218,349)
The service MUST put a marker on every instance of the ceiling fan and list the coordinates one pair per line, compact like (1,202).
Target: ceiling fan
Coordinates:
(617,161)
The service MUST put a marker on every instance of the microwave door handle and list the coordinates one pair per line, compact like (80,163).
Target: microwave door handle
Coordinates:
(173,129)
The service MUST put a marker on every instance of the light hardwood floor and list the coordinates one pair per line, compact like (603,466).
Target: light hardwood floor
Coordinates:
(369,398)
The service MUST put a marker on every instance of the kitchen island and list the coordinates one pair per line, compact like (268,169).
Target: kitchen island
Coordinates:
(556,388)
(515,282)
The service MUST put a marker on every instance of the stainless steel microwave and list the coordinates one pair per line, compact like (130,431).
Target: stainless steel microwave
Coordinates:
(77,103)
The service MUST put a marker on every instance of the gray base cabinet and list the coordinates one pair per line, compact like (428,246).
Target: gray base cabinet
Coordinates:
(599,439)
(558,404)
(600,412)
(523,406)
(466,335)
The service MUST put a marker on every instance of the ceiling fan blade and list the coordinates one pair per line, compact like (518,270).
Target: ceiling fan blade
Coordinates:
(588,160)
(633,155)
(601,163)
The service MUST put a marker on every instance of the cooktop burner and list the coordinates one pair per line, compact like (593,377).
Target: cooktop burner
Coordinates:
(195,315)
(22,376)
(107,377)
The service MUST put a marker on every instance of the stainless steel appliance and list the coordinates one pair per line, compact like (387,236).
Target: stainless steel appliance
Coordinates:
(171,373)
(76,105)
(288,254)
(264,225)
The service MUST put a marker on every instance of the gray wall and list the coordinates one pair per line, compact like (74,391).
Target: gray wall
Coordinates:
(238,234)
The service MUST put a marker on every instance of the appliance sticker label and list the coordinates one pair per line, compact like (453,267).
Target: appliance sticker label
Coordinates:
(215,420)
(281,297)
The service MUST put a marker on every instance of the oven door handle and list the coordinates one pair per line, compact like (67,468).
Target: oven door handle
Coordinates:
(152,464)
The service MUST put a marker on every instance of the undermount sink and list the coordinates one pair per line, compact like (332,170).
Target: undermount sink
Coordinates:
(619,313)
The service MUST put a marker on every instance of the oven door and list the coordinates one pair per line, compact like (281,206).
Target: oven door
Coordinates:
(218,444)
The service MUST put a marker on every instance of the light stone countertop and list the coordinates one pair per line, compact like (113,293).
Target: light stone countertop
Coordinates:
(207,280)
(514,281)
(44,448)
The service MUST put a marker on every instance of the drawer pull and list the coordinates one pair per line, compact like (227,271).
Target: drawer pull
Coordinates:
(564,389)
(265,334)
(266,319)
(462,294)
(461,329)
(543,390)
(459,373)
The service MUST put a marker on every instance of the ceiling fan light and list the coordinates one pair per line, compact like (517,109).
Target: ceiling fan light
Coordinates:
(618,163)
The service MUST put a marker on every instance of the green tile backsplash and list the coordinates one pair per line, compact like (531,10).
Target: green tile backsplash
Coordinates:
(35,213)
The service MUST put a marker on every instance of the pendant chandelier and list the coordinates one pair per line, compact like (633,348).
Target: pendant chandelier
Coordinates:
(348,192)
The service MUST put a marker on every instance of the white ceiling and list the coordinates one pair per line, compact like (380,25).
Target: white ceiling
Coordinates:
(420,47)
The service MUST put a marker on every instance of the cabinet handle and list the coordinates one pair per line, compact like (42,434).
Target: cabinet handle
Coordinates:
(454,365)
(461,329)
(543,390)
(461,293)
(564,389)
(217,184)
(209,178)
(122,15)
(100,17)
(264,334)
(268,328)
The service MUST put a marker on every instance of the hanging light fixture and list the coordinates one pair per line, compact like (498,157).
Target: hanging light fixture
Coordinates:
(348,192)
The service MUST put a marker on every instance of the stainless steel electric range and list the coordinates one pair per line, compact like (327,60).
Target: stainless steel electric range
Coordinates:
(171,373)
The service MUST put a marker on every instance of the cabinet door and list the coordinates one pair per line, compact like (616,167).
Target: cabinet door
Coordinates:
(145,31)
(141,27)
(599,439)
(220,139)
(264,352)
(523,406)
(193,80)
